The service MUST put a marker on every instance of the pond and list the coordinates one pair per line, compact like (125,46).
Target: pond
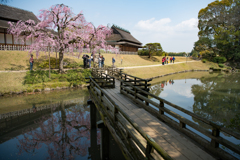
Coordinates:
(54,125)
(214,96)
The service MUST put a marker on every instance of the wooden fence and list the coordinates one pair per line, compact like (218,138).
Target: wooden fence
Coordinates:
(47,49)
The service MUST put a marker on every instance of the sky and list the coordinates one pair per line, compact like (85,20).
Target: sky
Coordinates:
(172,23)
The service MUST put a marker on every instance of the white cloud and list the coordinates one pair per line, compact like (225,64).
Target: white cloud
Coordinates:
(177,38)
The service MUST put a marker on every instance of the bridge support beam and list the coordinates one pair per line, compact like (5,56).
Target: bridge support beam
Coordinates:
(104,140)
(93,114)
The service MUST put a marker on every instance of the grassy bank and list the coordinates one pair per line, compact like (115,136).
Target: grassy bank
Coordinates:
(19,60)
(150,72)
(39,80)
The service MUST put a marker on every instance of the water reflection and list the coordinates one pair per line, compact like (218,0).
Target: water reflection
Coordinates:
(58,131)
(218,99)
(64,133)
(213,96)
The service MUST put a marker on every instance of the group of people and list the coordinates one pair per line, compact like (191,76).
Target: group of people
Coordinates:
(101,60)
(165,60)
(87,60)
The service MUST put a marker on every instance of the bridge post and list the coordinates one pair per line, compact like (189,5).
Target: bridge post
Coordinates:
(161,112)
(93,114)
(104,149)
(215,133)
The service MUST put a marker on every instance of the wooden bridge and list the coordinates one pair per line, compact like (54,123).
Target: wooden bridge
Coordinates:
(144,128)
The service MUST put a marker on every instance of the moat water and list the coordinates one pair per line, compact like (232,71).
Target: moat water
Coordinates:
(214,96)
(63,131)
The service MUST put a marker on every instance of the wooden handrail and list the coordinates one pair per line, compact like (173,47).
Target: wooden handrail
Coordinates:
(118,110)
(183,121)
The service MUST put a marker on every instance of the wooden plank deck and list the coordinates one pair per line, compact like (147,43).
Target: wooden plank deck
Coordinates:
(175,144)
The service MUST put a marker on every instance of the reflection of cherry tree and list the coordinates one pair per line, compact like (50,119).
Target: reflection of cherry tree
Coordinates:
(64,133)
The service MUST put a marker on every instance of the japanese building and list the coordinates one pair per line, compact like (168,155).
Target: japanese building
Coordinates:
(122,39)
(12,14)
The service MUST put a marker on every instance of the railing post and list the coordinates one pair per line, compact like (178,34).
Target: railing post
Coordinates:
(115,113)
(182,125)
(215,133)
(121,81)
(135,80)
(135,93)
(161,112)
(113,82)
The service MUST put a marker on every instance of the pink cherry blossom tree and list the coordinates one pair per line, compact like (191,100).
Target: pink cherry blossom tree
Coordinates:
(61,29)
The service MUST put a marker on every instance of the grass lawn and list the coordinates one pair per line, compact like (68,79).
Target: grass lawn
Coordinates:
(19,60)
(12,81)
(161,70)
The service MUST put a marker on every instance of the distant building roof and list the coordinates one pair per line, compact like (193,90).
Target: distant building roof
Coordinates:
(122,36)
(13,14)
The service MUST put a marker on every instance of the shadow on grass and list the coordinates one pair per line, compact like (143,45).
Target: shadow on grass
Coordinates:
(43,63)
(151,59)
(15,67)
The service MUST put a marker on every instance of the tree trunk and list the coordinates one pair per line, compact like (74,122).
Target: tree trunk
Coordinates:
(56,59)
(49,62)
(61,61)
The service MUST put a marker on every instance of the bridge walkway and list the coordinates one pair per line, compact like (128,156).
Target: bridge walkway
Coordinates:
(176,145)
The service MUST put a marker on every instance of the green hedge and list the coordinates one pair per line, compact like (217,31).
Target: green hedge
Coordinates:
(219,59)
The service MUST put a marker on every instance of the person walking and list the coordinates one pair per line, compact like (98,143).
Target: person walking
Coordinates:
(103,59)
(167,60)
(173,59)
(163,61)
(84,61)
(99,61)
(113,61)
(121,60)
(31,62)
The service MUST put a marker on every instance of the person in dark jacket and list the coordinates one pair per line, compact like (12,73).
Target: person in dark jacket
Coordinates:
(85,61)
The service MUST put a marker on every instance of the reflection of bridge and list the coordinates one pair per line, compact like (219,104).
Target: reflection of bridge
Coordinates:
(144,128)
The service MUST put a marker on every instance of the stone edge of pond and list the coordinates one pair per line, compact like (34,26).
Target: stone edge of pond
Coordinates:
(192,70)
(40,90)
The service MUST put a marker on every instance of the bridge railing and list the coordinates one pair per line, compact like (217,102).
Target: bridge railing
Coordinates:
(116,72)
(116,119)
(103,79)
(135,93)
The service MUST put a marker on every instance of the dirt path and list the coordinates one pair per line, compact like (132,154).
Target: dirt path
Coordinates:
(156,65)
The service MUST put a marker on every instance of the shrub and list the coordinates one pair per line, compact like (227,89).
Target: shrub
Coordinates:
(219,59)
(204,60)
(221,65)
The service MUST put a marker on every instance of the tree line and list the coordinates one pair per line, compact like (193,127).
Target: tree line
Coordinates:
(219,30)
